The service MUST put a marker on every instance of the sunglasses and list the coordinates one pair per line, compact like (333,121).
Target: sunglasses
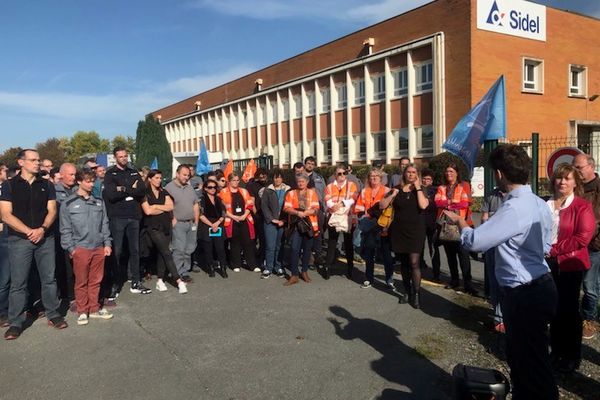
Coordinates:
(211,187)
(342,173)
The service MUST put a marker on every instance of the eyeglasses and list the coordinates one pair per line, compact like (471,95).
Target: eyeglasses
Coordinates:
(342,173)
(211,187)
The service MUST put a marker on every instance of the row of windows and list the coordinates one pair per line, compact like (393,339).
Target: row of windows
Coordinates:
(533,78)
(424,135)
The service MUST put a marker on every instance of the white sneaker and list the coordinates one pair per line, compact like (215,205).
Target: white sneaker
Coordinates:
(82,319)
(257,269)
(182,287)
(236,270)
(160,286)
(101,314)
(365,285)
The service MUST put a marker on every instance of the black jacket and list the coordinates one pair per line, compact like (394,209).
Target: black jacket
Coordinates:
(270,204)
(125,203)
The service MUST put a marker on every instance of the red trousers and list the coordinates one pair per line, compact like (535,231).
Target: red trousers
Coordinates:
(88,267)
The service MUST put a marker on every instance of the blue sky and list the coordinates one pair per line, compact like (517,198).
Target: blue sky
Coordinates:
(70,65)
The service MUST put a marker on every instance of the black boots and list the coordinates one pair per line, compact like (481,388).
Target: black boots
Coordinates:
(415,301)
(211,270)
(224,271)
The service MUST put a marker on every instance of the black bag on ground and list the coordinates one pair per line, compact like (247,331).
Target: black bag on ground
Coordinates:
(473,383)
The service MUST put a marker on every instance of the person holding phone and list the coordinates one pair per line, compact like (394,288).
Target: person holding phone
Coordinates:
(210,234)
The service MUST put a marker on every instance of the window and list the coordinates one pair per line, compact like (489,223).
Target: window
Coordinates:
(400,77)
(327,149)
(342,93)
(424,136)
(274,110)
(424,76)
(379,139)
(285,104)
(343,156)
(577,81)
(360,146)
(326,100)
(311,102)
(400,142)
(533,71)
(359,92)
(378,87)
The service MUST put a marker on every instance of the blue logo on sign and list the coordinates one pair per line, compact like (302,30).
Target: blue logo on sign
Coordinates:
(495,17)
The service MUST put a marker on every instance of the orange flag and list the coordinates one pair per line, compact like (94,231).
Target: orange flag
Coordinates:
(249,171)
(228,169)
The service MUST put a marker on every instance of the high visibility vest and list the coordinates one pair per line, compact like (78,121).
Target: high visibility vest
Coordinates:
(293,201)
(461,194)
(226,197)
(368,197)
(348,191)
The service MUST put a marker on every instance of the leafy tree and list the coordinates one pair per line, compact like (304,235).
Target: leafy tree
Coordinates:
(86,142)
(122,141)
(52,149)
(151,142)
(9,157)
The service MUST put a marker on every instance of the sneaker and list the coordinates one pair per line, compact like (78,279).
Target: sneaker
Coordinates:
(110,303)
(182,287)
(160,286)
(13,333)
(196,268)
(390,285)
(187,279)
(365,285)
(58,323)
(589,330)
(257,269)
(82,319)
(101,314)
(138,288)
(236,269)
(280,273)
(265,275)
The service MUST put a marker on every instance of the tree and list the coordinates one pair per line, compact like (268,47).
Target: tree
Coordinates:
(52,149)
(9,157)
(151,142)
(83,143)
(126,142)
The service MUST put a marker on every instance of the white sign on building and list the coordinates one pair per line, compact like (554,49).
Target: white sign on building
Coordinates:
(512,17)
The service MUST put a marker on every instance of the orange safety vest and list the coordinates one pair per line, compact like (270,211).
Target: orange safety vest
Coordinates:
(226,197)
(293,201)
(462,193)
(367,198)
(348,191)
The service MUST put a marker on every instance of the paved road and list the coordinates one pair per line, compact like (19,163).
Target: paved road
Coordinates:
(241,338)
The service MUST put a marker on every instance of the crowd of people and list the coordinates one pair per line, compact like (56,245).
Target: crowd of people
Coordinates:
(89,232)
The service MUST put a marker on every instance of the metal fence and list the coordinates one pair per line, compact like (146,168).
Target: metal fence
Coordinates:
(263,161)
(589,144)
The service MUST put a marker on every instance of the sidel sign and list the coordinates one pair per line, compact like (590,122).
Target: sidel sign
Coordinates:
(512,17)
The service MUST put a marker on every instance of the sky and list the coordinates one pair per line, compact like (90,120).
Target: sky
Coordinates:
(70,65)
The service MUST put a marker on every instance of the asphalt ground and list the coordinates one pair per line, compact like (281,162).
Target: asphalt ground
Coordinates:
(248,338)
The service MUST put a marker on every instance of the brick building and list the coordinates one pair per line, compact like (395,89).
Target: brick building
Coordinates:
(399,87)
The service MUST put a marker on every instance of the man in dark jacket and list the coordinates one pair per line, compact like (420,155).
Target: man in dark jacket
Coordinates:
(124,190)
(256,187)
(586,166)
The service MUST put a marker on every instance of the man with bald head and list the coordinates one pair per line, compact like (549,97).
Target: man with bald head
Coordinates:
(64,268)
(586,166)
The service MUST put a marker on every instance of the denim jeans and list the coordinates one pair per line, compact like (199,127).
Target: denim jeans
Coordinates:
(119,229)
(4,272)
(386,253)
(273,235)
(494,289)
(300,243)
(21,255)
(183,244)
(591,288)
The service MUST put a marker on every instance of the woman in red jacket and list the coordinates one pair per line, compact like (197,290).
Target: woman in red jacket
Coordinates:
(574,227)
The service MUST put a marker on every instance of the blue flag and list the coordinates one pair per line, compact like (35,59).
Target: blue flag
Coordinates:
(154,164)
(202,165)
(485,121)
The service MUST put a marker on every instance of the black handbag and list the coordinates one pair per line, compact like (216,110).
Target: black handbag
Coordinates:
(304,227)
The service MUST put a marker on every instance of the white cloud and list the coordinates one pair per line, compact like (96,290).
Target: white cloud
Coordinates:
(125,107)
(344,10)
